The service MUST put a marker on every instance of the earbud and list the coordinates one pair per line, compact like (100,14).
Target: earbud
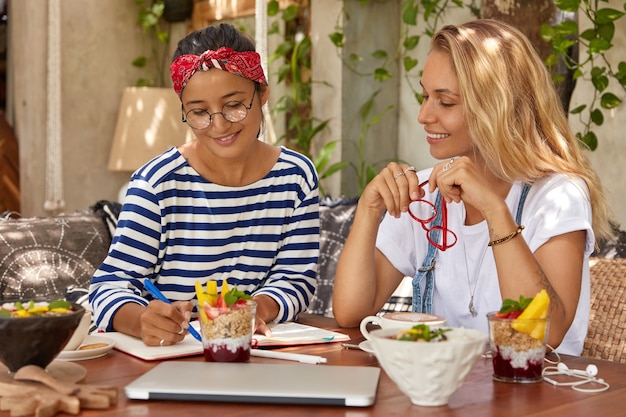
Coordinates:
(562,367)
(590,371)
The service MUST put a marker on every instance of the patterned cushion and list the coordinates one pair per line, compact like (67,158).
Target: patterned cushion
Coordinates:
(41,257)
(397,303)
(336,218)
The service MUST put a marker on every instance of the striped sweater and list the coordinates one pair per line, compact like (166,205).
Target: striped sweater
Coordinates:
(176,228)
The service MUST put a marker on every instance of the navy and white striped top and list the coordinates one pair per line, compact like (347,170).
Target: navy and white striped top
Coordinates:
(175,227)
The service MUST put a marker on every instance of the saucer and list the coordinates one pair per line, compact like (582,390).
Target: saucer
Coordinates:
(82,355)
(366,346)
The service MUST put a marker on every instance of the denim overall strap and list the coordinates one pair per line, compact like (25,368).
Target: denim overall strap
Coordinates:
(522,201)
(427,271)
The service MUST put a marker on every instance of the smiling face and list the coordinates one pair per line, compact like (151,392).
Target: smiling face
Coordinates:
(209,91)
(442,112)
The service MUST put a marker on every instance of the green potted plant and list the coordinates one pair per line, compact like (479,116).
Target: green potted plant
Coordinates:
(592,66)
(294,53)
(155,40)
(153,17)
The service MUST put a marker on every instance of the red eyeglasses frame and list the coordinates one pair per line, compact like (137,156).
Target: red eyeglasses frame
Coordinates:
(444,223)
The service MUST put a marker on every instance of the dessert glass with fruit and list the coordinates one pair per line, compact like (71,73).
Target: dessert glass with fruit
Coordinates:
(226,322)
(517,335)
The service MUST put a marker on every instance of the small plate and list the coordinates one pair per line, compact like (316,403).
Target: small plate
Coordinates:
(83,355)
(366,346)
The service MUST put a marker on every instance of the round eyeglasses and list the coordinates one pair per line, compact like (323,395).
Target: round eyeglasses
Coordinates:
(232,111)
(424,212)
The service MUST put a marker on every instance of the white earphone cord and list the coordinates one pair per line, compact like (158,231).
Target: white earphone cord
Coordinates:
(588,376)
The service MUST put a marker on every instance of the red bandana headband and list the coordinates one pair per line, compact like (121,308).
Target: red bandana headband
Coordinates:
(244,64)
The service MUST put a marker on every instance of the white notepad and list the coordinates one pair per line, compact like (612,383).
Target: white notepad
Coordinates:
(247,383)
(285,334)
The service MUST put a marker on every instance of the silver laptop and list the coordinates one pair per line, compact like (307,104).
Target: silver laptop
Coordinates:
(247,382)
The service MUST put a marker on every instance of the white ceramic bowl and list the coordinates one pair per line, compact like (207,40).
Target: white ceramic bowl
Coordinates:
(80,333)
(429,373)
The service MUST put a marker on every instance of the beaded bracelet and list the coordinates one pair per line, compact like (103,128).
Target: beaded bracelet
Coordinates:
(507,237)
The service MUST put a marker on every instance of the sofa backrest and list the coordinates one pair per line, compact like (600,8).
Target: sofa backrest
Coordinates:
(335,223)
(41,257)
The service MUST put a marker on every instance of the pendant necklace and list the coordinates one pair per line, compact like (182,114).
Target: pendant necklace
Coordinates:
(471,307)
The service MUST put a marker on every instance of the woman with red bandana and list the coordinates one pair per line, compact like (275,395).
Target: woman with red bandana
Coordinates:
(223,206)
(513,208)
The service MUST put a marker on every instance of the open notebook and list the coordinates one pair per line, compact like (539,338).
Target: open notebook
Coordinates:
(248,383)
(284,334)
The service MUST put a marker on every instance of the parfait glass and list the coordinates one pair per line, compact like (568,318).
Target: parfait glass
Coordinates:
(518,348)
(227,331)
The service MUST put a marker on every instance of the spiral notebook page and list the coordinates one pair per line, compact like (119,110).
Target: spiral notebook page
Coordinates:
(291,334)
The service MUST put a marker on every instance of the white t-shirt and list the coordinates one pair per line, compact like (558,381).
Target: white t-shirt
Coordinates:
(555,205)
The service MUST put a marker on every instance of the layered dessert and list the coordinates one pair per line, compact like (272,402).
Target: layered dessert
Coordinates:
(227,323)
(518,338)
(227,334)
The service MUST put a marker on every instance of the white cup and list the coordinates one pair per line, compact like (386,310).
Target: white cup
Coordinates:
(80,333)
(400,320)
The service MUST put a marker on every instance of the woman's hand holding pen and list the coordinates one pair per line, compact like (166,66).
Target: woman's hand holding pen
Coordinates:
(165,324)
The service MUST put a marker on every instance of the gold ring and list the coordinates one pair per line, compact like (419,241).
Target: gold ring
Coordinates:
(398,175)
(182,330)
(161,342)
(411,168)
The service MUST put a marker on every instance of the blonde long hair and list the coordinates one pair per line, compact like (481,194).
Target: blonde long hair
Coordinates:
(513,112)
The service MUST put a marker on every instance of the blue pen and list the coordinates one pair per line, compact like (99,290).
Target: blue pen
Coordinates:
(152,289)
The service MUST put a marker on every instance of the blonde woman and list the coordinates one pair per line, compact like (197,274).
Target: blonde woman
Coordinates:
(521,207)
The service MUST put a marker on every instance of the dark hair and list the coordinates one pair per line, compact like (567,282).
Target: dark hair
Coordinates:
(214,37)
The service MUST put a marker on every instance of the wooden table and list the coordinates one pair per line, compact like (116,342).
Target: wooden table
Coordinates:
(479,395)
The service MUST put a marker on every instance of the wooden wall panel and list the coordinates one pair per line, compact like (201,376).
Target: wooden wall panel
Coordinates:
(9,168)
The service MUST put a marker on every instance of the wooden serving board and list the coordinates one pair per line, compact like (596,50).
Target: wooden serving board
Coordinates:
(65,372)
(44,393)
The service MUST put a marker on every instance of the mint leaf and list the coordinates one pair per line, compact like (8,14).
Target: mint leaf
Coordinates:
(509,305)
(523,302)
(59,304)
(234,295)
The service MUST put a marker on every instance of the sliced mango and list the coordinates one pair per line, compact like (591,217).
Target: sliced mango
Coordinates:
(202,298)
(211,290)
(208,296)
(537,309)
(38,310)
(200,294)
